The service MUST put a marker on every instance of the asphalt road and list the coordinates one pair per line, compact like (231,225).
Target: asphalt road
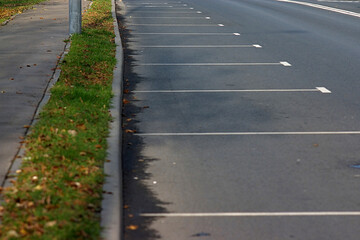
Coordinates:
(247,119)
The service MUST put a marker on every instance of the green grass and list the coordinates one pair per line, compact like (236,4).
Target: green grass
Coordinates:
(9,8)
(57,193)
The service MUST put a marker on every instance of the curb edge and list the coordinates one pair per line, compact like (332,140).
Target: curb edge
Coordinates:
(112,198)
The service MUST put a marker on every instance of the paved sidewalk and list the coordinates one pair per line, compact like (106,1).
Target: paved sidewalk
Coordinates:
(29,49)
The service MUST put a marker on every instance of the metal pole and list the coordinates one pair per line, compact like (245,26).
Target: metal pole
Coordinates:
(74,16)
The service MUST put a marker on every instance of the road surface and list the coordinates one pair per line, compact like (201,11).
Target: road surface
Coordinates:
(241,119)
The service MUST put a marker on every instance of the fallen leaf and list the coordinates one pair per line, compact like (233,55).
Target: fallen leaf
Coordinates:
(12,233)
(81,126)
(26,126)
(72,132)
(50,224)
(125,101)
(12,79)
(132,227)
(130,131)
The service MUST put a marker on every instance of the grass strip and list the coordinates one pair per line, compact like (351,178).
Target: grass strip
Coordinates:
(9,8)
(57,192)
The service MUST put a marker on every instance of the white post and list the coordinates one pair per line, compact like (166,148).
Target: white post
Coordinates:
(74,16)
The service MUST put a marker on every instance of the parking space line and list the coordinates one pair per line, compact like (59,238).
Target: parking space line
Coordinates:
(174,25)
(174,17)
(213,64)
(200,34)
(255,214)
(201,46)
(166,12)
(150,6)
(234,91)
(249,133)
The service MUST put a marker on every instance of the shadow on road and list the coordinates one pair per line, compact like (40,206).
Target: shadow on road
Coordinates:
(137,196)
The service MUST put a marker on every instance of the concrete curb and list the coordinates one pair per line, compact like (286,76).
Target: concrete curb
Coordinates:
(111,213)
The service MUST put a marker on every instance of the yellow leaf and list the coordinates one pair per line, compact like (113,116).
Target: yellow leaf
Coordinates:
(132,227)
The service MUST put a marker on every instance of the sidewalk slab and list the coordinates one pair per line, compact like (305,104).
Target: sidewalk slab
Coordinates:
(30,46)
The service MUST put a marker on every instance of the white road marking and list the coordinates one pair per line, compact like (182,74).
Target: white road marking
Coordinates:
(150,3)
(337,1)
(160,7)
(354,14)
(286,64)
(323,90)
(171,25)
(211,64)
(174,17)
(250,133)
(200,46)
(163,12)
(208,34)
(254,214)
(231,90)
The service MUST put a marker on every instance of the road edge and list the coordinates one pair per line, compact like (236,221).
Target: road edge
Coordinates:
(111,213)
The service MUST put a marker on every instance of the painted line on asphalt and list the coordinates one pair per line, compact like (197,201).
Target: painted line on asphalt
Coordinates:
(336,1)
(318,89)
(250,133)
(323,89)
(354,14)
(163,12)
(254,214)
(201,46)
(286,64)
(137,6)
(175,17)
(200,34)
(151,3)
(174,25)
